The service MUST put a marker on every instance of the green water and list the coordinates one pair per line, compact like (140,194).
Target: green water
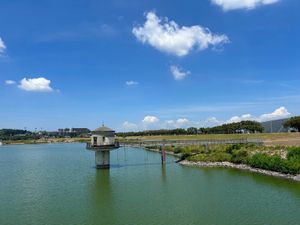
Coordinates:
(58,184)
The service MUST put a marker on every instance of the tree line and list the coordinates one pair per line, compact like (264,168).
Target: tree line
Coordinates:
(293,122)
(16,134)
(230,128)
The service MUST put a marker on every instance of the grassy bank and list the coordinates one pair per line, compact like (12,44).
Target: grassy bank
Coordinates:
(281,159)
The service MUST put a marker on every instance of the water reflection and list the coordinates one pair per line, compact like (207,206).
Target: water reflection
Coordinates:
(265,180)
(102,201)
(163,172)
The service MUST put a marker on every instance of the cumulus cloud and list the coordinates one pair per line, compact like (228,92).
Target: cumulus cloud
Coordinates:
(2,46)
(40,84)
(169,124)
(179,123)
(150,119)
(10,82)
(241,4)
(236,119)
(132,83)
(177,73)
(167,36)
(182,121)
(211,121)
(152,122)
(129,126)
(279,113)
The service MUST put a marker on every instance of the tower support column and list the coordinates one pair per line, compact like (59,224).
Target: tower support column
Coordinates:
(102,159)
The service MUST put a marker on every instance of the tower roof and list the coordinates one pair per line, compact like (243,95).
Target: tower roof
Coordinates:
(104,129)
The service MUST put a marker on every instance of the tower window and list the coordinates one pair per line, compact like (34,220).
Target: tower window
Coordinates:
(95,141)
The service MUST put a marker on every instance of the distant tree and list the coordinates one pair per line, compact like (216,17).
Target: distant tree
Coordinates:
(192,130)
(293,122)
(203,130)
(16,134)
(230,128)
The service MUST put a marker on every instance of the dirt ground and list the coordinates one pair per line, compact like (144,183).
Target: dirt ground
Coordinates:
(287,139)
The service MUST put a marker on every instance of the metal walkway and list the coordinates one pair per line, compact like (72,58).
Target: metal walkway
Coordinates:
(147,143)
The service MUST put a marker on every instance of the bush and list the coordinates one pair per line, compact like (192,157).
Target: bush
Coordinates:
(293,152)
(184,156)
(231,148)
(274,163)
(177,150)
(239,156)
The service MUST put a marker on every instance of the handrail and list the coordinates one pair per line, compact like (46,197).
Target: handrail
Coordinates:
(193,142)
(90,145)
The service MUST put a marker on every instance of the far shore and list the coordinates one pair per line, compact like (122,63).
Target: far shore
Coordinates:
(48,141)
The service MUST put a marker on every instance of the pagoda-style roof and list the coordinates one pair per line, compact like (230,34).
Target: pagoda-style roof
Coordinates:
(104,129)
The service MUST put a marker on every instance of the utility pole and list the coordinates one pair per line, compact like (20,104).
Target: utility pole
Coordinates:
(163,154)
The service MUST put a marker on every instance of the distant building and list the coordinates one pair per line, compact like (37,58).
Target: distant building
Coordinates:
(63,131)
(80,130)
(67,132)
(275,126)
(52,133)
(243,131)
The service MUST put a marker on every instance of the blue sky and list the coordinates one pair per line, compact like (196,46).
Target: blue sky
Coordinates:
(147,64)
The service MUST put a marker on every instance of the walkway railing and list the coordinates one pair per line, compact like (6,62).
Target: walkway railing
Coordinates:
(145,143)
(111,146)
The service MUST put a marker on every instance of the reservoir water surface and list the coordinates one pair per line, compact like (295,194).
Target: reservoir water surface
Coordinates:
(58,184)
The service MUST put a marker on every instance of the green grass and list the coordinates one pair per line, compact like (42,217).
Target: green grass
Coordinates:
(275,158)
(275,163)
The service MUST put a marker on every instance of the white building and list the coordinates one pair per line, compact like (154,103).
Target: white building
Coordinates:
(102,142)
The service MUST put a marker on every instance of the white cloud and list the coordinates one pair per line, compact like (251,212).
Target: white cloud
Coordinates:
(182,121)
(168,36)
(2,46)
(131,83)
(236,119)
(241,4)
(40,84)
(178,74)
(150,119)
(152,122)
(169,124)
(279,113)
(212,121)
(128,126)
(10,82)
(179,123)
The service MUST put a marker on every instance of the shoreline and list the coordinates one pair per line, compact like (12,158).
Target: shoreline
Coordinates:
(240,167)
(243,167)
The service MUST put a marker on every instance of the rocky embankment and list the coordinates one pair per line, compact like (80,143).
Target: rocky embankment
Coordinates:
(241,167)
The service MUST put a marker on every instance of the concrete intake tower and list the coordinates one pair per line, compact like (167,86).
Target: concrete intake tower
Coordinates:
(102,142)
